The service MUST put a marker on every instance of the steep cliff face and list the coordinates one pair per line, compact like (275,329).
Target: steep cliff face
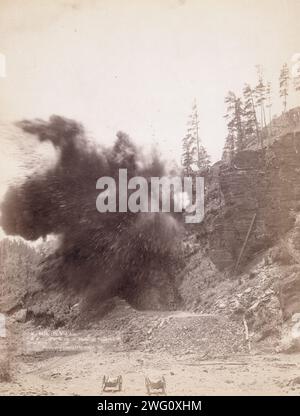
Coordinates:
(265,183)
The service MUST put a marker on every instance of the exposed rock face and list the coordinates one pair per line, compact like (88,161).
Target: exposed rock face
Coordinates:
(266,288)
(263,182)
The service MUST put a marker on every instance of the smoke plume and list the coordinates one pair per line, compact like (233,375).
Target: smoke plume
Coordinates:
(109,253)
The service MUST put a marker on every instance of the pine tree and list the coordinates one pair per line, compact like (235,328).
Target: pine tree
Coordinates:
(193,130)
(260,95)
(269,100)
(203,158)
(188,154)
(269,105)
(251,127)
(234,117)
(194,153)
(260,98)
(229,148)
(284,85)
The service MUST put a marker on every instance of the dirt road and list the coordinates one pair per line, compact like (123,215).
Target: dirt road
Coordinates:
(69,362)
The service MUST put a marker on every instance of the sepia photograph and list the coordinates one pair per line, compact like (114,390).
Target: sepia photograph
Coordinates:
(149,201)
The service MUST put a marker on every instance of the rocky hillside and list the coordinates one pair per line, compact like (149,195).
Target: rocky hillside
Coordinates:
(261,292)
(260,187)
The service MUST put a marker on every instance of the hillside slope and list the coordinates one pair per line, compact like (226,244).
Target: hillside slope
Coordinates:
(262,294)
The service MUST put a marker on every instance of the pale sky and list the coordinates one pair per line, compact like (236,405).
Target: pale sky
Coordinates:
(137,65)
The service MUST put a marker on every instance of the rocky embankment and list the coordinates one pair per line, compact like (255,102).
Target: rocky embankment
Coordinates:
(261,295)
(263,187)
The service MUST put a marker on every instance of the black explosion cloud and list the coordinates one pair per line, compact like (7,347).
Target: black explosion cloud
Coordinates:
(110,253)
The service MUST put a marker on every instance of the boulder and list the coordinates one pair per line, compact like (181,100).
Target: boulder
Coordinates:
(291,339)
(20,315)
